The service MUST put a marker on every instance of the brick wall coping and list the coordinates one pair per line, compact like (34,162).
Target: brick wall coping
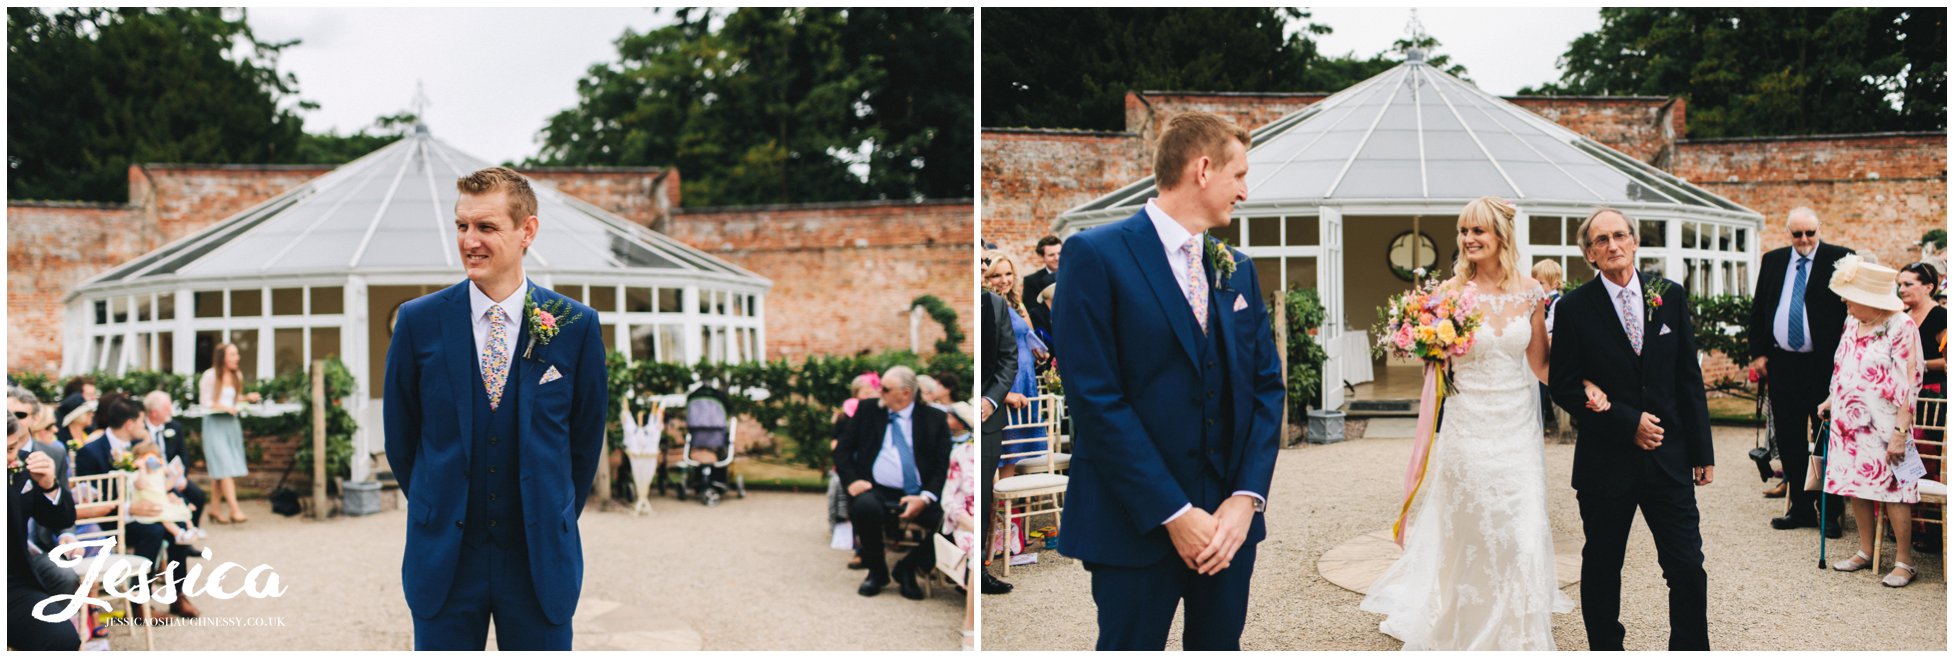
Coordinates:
(1069,132)
(1236,94)
(91,205)
(236,167)
(595,170)
(1297,94)
(1810,138)
(826,205)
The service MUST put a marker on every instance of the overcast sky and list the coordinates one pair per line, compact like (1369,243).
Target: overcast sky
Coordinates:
(1502,49)
(493,76)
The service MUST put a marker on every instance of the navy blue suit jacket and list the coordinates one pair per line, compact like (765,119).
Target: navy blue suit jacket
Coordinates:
(1132,387)
(95,457)
(431,366)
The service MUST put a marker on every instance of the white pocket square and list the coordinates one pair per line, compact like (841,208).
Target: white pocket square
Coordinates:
(1240,303)
(1665,331)
(550,376)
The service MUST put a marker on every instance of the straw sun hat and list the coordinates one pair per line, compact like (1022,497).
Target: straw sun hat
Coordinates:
(1871,284)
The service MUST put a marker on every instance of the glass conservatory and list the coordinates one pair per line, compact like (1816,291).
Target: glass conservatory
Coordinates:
(320,270)
(1352,194)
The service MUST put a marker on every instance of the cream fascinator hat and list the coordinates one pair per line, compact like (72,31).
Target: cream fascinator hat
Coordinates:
(1871,284)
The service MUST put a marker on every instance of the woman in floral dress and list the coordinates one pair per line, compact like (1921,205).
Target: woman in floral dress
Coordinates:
(1875,379)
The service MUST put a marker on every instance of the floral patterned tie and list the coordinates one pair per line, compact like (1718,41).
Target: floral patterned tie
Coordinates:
(1197,284)
(1628,321)
(495,358)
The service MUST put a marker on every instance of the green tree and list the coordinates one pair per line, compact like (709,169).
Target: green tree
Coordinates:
(1071,68)
(782,105)
(1771,71)
(90,90)
(332,148)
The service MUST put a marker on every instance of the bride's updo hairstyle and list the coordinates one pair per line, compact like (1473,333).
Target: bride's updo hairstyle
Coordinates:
(1495,213)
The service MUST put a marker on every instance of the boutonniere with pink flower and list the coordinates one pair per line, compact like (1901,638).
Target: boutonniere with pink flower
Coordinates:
(545,321)
(1652,293)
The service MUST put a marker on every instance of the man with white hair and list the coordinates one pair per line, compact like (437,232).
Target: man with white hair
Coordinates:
(895,457)
(1796,322)
(159,419)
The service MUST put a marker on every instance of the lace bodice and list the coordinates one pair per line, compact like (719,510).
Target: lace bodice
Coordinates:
(1498,359)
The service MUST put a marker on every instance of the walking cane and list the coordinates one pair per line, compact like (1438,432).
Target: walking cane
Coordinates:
(1824,443)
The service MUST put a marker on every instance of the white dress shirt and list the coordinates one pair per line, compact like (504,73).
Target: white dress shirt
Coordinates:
(887,469)
(1173,237)
(1781,323)
(1635,304)
(478,305)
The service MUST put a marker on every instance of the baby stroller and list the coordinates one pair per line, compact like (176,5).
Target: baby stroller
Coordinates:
(709,428)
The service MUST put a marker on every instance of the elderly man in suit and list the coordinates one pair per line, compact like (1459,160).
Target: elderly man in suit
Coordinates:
(495,393)
(895,457)
(159,422)
(1795,325)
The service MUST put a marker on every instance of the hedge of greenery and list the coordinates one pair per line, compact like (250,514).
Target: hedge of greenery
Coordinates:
(801,398)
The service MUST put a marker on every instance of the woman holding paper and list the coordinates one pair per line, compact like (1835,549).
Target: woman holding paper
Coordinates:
(1875,377)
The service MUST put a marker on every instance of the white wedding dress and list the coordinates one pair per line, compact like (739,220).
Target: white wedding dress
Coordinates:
(1478,566)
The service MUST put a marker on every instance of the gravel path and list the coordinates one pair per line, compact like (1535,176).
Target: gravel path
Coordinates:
(1766,592)
(749,574)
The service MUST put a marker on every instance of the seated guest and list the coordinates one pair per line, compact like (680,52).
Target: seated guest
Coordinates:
(1870,408)
(1917,285)
(77,417)
(121,420)
(894,457)
(159,421)
(960,505)
(866,386)
(33,493)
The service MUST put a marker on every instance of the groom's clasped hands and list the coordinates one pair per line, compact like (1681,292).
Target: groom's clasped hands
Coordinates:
(1207,542)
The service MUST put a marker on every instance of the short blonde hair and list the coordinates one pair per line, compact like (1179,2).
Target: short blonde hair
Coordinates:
(521,198)
(1549,269)
(1190,135)
(1496,213)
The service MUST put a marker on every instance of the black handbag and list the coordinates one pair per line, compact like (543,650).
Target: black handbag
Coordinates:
(1760,454)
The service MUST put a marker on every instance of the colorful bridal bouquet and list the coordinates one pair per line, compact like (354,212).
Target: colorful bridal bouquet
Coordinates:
(1434,324)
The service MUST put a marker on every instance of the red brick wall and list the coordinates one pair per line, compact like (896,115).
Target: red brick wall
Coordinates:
(183,198)
(641,194)
(1875,193)
(1145,111)
(1642,127)
(844,274)
(52,247)
(1030,176)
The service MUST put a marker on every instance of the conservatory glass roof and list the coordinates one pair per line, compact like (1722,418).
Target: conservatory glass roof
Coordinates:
(1414,132)
(393,210)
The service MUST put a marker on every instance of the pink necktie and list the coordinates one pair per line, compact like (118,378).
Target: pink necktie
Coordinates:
(1197,283)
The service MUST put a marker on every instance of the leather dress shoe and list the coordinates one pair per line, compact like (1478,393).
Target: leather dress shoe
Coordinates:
(1777,491)
(906,583)
(872,585)
(994,586)
(1793,522)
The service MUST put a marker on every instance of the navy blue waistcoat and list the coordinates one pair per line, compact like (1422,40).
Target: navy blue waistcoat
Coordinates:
(494,467)
(1217,424)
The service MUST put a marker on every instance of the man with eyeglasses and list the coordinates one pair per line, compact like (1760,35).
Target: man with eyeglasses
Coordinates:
(1795,324)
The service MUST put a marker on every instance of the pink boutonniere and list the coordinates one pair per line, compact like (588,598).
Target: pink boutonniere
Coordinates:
(544,324)
(1652,294)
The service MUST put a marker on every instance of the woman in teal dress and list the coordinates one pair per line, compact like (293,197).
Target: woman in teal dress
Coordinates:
(220,389)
